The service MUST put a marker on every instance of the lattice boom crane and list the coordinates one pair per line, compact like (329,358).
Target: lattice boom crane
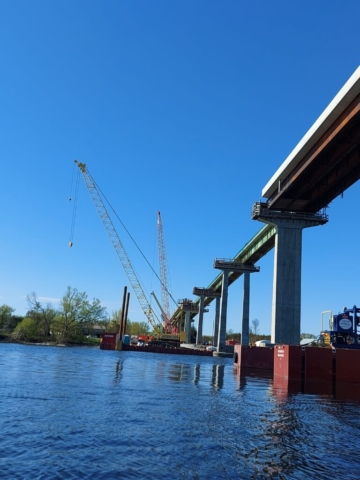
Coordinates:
(116,242)
(163,275)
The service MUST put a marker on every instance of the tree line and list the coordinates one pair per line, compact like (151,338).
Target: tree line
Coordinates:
(70,322)
(75,317)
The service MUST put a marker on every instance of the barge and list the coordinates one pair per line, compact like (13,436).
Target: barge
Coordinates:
(306,369)
(110,341)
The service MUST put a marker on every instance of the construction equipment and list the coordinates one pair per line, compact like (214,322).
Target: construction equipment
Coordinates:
(170,335)
(116,242)
(343,330)
(163,314)
(165,309)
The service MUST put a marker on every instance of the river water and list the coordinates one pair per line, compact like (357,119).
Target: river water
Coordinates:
(69,413)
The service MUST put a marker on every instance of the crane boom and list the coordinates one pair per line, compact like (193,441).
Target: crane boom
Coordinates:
(118,246)
(163,275)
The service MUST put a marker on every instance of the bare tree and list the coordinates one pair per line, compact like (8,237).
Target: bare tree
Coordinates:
(42,315)
(254,330)
(255,326)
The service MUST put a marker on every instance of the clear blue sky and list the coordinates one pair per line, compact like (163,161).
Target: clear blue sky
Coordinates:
(187,107)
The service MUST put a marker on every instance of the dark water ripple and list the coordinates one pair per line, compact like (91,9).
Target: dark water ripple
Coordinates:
(73,413)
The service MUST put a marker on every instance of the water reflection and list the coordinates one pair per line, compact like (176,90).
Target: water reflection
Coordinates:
(196,374)
(292,437)
(282,387)
(179,372)
(218,376)
(118,371)
(193,415)
(185,372)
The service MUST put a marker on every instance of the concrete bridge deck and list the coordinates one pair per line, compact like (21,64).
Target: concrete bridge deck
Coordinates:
(322,166)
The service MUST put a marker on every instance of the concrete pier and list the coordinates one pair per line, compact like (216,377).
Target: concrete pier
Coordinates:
(216,321)
(286,301)
(199,337)
(246,311)
(188,307)
(203,293)
(223,312)
(231,266)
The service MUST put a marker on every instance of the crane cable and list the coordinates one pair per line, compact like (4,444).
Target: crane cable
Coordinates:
(76,195)
(132,238)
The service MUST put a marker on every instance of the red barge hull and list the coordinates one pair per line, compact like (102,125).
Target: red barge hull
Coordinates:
(109,342)
(307,369)
(170,350)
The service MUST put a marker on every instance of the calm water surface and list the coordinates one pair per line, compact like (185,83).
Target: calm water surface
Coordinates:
(85,413)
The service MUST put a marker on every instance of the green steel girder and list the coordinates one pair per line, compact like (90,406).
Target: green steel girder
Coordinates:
(257,247)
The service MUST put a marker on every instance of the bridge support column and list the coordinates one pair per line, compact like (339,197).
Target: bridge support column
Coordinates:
(199,337)
(246,310)
(203,293)
(231,266)
(223,312)
(188,307)
(188,327)
(286,299)
(216,321)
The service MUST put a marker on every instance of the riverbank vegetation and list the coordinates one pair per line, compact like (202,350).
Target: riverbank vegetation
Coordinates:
(76,320)
(70,322)
(79,321)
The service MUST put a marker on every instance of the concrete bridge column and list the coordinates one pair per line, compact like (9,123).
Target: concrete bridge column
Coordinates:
(203,293)
(199,338)
(286,300)
(216,321)
(188,327)
(246,310)
(223,312)
(239,268)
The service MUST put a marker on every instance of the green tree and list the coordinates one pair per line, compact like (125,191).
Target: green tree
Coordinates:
(27,330)
(77,313)
(307,335)
(231,335)
(13,321)
(138,328)
(44,316)
(5,316)
(114,324)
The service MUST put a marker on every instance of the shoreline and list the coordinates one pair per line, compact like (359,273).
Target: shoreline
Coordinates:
(48,344)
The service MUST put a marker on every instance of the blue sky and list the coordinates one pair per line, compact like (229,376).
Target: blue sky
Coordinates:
(187,107)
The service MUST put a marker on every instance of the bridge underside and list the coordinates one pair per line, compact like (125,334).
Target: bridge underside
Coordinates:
(259,245)
(327,170)
(323,165)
